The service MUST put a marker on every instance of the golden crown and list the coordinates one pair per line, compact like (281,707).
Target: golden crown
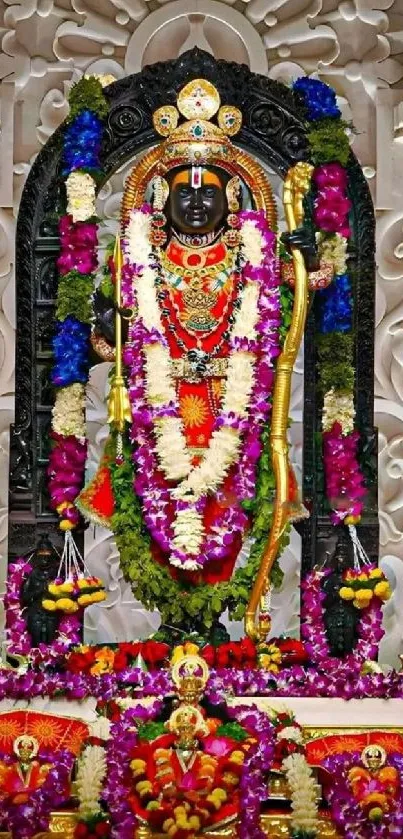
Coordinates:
(198,140)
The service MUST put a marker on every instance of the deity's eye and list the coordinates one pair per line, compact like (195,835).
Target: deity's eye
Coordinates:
(209,191)
(185,191)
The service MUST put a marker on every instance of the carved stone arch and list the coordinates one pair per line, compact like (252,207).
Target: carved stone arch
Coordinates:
(274,129)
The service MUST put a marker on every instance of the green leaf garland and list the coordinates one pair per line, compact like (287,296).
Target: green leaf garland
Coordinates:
(74,297)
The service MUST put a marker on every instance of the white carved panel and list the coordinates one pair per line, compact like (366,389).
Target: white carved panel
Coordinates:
(357,46)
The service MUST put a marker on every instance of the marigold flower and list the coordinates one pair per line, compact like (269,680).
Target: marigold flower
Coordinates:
(65,604)
(376,573)
(97,596)
(84,600)
(346,593)
(49,605)
(363,595)
(383,590)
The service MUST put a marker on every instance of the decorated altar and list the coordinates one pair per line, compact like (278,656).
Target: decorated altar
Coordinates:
(199,304)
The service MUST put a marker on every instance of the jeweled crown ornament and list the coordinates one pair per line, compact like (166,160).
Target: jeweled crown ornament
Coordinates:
(198,140)
(190,675)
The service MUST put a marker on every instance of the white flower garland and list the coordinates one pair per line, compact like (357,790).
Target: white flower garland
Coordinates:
(68,412)
(80,188)
(303,793)
(333,249)
(91,771)
(338,406)
(193,482)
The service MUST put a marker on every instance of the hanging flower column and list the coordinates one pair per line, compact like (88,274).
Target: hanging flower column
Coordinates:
(77,264)
(330,151)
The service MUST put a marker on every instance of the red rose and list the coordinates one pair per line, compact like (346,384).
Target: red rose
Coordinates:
(81,831)
(248,649)
(80,662)
(208,653)
(154,652)
(235,651)
(120,661)
(102,829)
(222,655)
(292,651)
(130,649)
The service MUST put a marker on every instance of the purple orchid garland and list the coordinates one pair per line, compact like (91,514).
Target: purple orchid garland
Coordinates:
(26,819)
(123,739)
(259,760)
(18,637)
(346,811)
(253,789)
(150,485)
(342,681)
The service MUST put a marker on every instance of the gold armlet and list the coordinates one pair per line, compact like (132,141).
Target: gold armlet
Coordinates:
(316,279)
(102,348)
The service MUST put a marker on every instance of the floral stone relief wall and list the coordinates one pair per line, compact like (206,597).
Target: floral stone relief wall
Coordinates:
(357,47)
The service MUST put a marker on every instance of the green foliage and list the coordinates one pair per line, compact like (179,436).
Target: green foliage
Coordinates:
(287,302)
(151,730)
(335,367)
(329,142)
(87,94)
(106,285)
(74,296)
(233,730)
(152,583)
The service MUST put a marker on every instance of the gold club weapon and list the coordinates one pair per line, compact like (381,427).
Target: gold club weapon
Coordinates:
(296,186)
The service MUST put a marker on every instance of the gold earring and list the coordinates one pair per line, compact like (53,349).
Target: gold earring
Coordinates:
(160,189)
(232,193)
(232,236)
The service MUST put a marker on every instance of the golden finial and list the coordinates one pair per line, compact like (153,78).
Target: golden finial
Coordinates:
(118,402)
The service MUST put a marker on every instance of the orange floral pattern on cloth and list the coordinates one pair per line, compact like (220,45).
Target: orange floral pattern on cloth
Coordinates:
(50,731)
(318,750)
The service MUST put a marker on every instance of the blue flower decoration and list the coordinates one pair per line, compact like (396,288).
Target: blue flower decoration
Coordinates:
(320,99)
(70,350)
(82,143)
(336,306)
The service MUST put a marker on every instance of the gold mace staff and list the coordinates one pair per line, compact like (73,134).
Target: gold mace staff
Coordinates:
(118,401)
(296,185)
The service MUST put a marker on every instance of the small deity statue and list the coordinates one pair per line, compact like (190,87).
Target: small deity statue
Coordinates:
(187,777)
(20,779)
(199,288)
(42,625)
(341,617)
(376,786)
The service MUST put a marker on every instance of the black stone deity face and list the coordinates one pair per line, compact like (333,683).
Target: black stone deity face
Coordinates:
(197,202)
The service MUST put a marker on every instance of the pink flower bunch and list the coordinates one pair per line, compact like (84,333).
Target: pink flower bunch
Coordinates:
(65,472)
(79,243)
(343,477)
(332,205)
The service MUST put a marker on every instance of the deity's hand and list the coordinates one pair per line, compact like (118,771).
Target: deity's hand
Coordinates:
(303,238)
(105,312)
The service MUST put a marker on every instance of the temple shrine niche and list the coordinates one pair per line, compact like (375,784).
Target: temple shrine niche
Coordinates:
(198,302)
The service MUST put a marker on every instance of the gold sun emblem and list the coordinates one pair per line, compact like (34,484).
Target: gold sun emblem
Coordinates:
(47,731)
(9,730)
(193,410)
